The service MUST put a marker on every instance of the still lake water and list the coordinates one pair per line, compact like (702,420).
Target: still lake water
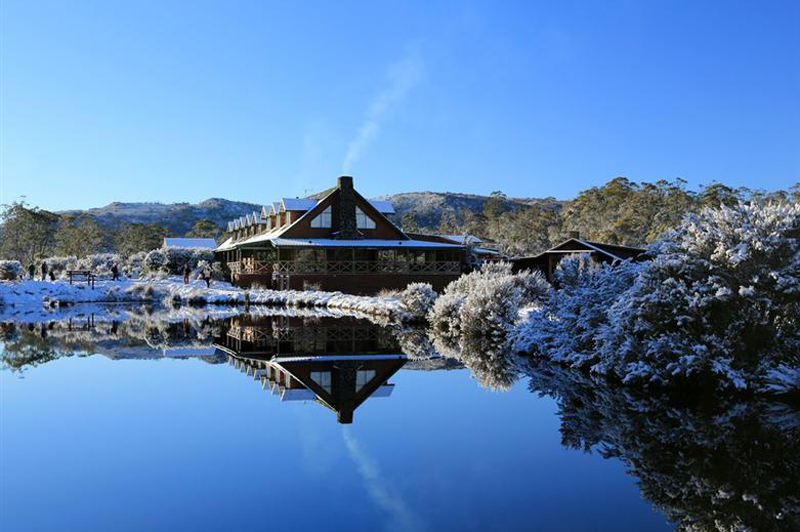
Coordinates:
(133,438)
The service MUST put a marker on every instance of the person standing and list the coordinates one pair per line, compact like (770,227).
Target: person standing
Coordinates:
(115,272)
(31,271)
(44,270)
(186,272)
(275,277)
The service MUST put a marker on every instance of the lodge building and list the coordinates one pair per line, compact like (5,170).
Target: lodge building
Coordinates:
(340,241)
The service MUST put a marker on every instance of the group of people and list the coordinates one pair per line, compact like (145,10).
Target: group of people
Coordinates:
(205,274)
(47,272)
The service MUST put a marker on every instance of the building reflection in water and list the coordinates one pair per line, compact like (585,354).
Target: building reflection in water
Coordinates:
(337,362)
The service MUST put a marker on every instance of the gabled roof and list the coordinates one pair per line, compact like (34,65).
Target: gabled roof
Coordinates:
(298,204)
(612,251)
(190,243)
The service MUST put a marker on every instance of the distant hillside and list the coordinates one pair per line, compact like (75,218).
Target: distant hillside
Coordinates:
(429,206)
(179,218)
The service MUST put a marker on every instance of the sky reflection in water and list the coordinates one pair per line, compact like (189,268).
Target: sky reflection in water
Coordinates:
(91,443)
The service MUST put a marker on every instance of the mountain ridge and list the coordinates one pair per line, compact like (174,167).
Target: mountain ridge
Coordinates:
(428,208)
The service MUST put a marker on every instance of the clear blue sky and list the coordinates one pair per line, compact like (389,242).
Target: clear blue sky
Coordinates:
(170,101)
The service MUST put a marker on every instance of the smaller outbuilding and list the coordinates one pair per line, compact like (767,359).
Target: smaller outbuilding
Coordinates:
(547,261)
(190,243)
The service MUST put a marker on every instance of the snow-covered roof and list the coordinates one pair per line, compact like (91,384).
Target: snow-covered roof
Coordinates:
(189,351)
(382,206)
(298,204)
(190,243)
(227,245)
(461,239)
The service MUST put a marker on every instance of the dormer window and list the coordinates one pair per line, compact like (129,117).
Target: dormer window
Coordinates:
(323,219)
(363,221)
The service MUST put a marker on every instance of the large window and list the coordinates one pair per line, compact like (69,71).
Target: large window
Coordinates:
(363,376)
(323,219)
(363,221)
(323,378)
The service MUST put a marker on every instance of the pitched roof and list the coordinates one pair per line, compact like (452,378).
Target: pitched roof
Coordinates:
(382,206)
(298,204)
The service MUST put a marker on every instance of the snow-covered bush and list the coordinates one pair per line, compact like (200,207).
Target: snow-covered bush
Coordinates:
(59,265)
(177,258)
(721,302)
(10,270)
(565,328)
(100,263)
(154,261)
(134,264)
(472,319)
(417,300)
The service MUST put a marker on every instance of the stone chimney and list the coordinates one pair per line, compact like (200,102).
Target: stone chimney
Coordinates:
(575,234)
(346,211)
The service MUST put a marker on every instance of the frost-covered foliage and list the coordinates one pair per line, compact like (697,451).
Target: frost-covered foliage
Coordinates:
(134,264)
(721,302)
(59,265)
(10,270)
(171,260)
(417,300)
(154,261)
(472,319)
(565,328)
(100,263)
(176,258)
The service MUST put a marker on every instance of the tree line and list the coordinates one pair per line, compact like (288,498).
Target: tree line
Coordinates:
(620,212)
(29,234)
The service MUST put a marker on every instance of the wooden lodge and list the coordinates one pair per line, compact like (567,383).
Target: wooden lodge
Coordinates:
(341,241)
(547,261)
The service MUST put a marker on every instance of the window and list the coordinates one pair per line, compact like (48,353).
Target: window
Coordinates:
(323,219)
(323,378)
(363,221)
(363,376)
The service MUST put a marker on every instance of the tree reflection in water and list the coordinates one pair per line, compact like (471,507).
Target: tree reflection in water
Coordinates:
(708,463)
(711,463)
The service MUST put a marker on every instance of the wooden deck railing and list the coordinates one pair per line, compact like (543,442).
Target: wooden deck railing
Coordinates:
(254,267)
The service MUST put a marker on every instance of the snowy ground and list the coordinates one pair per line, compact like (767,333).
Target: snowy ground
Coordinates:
(31,299)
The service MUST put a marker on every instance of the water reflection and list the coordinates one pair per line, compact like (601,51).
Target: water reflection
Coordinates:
(706,463)
(337,362)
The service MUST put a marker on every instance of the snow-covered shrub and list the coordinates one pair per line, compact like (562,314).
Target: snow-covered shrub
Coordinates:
(417,300)
(565,328)
(100,263)
(721,302)
(154,261)
(10,270)
(175,259)
(134,264)
(472,319)
(60,265)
